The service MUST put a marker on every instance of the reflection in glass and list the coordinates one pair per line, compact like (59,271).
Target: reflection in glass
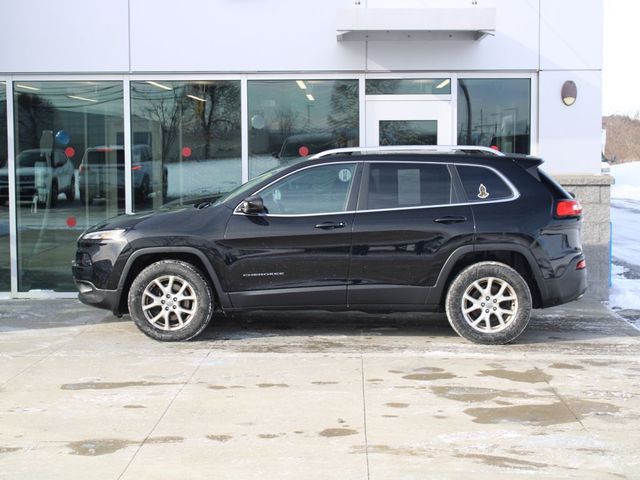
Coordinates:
(495,112)
(408,132)
(57,124)
(292,119)
(5,269)
(408,86)
(186,140)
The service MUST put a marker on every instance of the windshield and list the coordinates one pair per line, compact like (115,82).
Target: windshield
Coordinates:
(248,187)
(30,157)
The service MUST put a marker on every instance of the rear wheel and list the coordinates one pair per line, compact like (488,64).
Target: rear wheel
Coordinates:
(489,303)
(171,300)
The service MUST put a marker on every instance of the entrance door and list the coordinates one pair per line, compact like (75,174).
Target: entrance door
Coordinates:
(394,121)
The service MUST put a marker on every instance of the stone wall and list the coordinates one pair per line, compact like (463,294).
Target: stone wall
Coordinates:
(593,191)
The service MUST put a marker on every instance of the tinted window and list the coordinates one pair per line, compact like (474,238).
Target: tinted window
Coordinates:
(482,184)
(495,112)
(408,185)
(323,189)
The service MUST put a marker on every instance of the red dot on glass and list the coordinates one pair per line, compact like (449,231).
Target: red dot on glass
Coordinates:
(186,151)
(303,151)
(71,222)
(495,147)
(70,152)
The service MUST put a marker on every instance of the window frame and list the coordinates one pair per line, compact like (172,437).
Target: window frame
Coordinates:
(352,196)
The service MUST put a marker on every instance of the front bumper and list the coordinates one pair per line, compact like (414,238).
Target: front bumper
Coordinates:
(96,297)
(566,288)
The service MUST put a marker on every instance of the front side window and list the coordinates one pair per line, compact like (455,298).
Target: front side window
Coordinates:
(482,184)
(323,189)
(400,185)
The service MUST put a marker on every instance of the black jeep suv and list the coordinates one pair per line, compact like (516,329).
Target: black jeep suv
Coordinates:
(483,236)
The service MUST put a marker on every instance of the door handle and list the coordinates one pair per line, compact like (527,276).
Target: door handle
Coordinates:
(330,225)
(451,219)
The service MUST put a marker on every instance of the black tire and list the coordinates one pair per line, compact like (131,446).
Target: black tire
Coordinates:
(496,332)
(142,193)
(53,201)
(185,273)
(71,192)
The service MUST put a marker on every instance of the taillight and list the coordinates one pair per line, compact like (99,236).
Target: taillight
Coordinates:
(136,167)
(581,265)
(568,208)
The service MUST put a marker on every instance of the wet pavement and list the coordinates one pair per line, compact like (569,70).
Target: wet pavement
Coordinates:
(316,395)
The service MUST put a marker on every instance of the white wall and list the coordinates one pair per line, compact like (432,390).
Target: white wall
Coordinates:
(64,36)
(570,136)
(562,39)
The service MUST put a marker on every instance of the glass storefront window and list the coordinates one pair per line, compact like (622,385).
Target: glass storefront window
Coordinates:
(291,119)
(60,189)
(186,140)
(408,86)
(495,112)
(5,265)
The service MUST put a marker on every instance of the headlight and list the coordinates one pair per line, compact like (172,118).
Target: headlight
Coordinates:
(105,235)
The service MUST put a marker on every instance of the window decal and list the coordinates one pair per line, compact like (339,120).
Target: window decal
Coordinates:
(482,191)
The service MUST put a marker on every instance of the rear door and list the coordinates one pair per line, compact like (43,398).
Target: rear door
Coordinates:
(297,253)
(406,226)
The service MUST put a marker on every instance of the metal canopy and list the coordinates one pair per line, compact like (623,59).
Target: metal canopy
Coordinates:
(380,24)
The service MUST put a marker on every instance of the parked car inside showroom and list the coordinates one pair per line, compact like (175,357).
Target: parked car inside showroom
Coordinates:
(102,171)
(482,236)
(41,175)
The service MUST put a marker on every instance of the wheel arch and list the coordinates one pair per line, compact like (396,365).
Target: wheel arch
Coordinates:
(142,258)
(515,256)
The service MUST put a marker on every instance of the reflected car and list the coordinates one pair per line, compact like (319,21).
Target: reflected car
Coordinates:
(101,173)
(296,147)
(41,175)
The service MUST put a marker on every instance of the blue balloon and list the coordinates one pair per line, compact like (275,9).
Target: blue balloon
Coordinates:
(62,138)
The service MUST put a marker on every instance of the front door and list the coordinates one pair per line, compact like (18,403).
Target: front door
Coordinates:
(410,120)
(297,252)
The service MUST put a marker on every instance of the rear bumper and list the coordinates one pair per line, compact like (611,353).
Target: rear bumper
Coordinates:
(96,297)
(570,286)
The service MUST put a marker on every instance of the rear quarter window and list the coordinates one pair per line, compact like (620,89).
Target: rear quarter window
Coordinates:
(482,184)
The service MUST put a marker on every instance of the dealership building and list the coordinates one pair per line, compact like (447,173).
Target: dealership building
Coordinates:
(125,106)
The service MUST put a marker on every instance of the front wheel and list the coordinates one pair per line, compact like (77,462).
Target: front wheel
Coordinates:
(489,303)
(171,301)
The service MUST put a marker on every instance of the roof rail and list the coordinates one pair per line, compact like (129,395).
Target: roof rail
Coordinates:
(409,149)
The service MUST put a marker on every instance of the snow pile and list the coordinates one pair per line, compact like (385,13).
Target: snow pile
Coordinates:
(627,184)
(625,292)
(625,216)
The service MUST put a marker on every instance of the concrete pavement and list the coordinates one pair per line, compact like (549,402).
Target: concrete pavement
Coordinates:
(316,395)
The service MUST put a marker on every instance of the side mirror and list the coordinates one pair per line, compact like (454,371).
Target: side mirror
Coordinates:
(252,205)
(275,154)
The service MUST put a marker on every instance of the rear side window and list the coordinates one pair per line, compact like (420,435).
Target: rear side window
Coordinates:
(398,185)
(482,184)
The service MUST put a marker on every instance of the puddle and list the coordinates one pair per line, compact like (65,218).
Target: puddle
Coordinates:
(397,405)
(528,376)
(268,435)
(269,385)
(134,406)
(217,387)
(429,376)
(324,383)
(110,385)
(8,449)
(475,394)
(166,439)
(541,415)
(503,462)
(219,438)
(96,447)
(337,432)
